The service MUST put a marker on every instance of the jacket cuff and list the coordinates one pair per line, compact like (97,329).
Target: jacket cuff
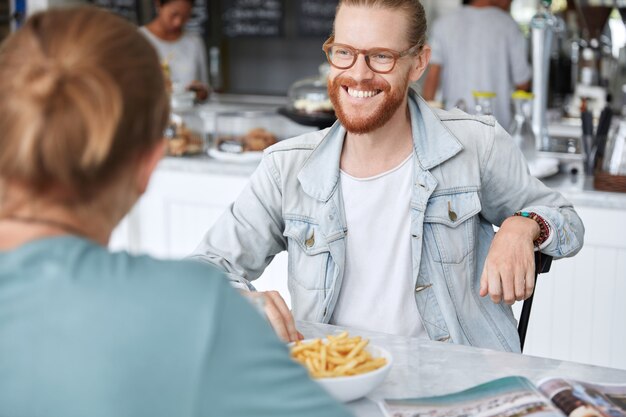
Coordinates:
(550,244)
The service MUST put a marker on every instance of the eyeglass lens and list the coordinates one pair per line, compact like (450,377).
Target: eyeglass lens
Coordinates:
(378,60)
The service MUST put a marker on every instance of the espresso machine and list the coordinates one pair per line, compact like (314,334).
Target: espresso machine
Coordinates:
(593,65)
(620,76)
(543,26)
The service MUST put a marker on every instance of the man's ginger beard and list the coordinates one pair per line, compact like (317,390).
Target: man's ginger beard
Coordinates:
(359,124)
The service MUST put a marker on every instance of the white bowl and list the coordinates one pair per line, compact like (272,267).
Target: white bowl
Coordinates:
(349,388)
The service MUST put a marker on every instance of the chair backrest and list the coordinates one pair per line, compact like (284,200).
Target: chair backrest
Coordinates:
(542,264)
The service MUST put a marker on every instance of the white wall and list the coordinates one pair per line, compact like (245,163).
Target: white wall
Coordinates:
(437,8)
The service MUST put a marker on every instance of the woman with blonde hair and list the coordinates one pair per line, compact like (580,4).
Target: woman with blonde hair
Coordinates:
(84,331)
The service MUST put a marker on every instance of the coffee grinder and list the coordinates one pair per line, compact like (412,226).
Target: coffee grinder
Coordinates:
(593,63)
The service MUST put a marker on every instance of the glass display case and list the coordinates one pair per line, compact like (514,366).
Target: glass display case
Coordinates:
(242,135)
(185,131)
(245,131)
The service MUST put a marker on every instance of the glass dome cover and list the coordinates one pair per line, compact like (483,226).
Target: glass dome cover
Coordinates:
(310,95)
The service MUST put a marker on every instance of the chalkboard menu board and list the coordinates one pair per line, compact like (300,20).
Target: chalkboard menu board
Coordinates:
(252,18)
(315,17)
(199,20)
(128,9)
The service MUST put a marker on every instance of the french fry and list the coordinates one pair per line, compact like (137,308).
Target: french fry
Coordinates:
(357,349)
(342,335)
(339,355)
(309,364)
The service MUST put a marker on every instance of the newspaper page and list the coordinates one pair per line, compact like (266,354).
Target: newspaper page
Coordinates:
(585,399)
(505,397)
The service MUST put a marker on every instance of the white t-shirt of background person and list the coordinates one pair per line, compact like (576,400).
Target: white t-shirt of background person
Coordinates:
(377,291)
(482,49)
(186,57)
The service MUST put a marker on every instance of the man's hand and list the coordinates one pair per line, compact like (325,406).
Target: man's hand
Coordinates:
(509,271)
(277,313)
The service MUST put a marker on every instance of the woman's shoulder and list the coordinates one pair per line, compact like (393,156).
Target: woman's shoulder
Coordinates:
(179,272)
(146,32)
(151,37)
(192,38)
(139,271)
(72,264)
(195,287)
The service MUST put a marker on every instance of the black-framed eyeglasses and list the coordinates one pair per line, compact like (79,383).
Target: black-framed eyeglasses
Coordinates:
(380,60)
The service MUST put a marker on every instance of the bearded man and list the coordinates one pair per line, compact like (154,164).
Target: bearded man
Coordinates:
(387,216)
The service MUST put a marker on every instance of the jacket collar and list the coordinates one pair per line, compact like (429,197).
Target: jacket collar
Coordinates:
(432,141)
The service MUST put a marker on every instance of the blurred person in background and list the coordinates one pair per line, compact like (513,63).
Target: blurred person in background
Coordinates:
(183,53)
(86,332)
(478,47)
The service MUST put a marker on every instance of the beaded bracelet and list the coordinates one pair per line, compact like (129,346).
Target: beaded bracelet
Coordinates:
(544,229)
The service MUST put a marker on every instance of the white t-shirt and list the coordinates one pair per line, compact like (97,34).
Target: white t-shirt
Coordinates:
(480,48)
(186,57)
(377,292)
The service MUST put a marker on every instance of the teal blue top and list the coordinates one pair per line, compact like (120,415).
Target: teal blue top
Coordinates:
(86,332)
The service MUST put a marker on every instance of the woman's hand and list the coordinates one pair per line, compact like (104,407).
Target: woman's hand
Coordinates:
(201,90)
(277,313)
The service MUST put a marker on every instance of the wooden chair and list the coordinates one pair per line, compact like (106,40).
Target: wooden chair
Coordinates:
(542,264)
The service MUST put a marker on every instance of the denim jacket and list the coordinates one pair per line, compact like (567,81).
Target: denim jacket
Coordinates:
(463,163)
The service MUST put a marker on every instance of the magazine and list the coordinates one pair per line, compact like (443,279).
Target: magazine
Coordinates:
(517,396)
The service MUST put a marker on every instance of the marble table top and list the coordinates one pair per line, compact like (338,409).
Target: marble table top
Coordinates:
(426,368)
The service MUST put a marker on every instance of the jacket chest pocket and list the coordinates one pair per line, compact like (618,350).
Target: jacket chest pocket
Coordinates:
(451,223)
(309,254)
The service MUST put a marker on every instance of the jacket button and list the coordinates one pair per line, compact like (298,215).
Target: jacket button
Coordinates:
(451,214)
(310,241)
(422,287)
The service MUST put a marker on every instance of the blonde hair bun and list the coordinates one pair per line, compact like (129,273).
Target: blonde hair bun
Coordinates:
(81,93)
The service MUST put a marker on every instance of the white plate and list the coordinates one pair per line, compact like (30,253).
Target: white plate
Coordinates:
(244,157)
(543,167)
